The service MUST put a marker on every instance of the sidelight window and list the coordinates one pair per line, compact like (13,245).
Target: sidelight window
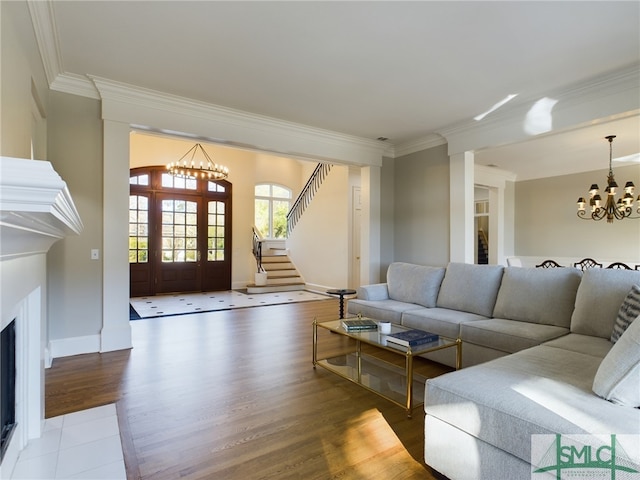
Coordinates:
(138,229)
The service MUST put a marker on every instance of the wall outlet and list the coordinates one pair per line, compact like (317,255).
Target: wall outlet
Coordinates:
(95,254)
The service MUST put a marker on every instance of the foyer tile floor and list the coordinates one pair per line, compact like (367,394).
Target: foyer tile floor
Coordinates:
(81,445)
(177,304)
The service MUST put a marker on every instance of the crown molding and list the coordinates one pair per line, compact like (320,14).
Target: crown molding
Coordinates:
(144,97)
(423,143)
(46,32)
(121,99)
(595,89)
(75,85)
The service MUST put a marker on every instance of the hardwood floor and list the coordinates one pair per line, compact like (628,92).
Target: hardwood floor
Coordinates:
(233,395)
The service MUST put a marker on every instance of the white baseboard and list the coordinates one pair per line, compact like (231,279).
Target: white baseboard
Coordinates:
(66,347)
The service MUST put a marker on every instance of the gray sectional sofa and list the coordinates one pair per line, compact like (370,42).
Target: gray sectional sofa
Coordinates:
(538,353)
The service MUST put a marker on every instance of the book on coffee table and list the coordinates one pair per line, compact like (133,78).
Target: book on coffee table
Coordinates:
(412,338)
(359,324)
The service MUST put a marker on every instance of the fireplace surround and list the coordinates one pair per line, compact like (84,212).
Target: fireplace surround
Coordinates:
(36,210)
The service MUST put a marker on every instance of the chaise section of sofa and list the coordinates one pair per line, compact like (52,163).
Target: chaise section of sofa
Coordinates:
(479,420)
(490,411)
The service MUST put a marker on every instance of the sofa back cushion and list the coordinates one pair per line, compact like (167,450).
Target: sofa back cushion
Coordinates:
(414,283)
(538,295)
(470,288)
(599,297)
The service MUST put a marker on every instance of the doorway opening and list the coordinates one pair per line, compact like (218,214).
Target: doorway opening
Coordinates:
(179,233)
(481,225)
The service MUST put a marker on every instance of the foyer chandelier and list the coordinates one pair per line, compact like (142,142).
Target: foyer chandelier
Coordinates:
(610,209)
(187,166)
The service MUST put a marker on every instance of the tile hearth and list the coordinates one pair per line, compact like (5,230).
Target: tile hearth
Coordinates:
(81,445)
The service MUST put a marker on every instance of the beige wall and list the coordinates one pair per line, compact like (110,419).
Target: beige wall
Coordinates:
(421,213)
(319,243)
(75,281)
(387,214)
(547,225)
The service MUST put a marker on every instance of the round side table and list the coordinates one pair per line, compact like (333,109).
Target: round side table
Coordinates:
(341,292)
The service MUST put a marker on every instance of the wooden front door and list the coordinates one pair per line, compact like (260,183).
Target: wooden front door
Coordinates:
(179,234)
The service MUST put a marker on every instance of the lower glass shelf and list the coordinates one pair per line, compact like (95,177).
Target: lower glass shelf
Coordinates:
(378,376)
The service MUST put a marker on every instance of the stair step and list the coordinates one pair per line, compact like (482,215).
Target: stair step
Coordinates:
(274,267)
(291,272)
(291,287)
(284,280)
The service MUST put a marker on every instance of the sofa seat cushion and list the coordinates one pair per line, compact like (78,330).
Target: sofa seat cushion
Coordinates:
(538,295)
(414,283)
(600,295)
(470,288)
(441,321)
(594,346)
(541,390)
(388,310)
(508,335)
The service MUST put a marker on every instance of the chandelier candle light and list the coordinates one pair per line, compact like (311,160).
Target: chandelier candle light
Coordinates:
(612,209)
(187,167)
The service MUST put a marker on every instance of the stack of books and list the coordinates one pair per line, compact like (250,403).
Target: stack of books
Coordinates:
(359,324)
(411,338)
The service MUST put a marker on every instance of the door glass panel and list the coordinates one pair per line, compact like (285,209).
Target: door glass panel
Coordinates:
(215,187)
(179,231)
(138,229)
(215,231)
(139,180)
(170,181)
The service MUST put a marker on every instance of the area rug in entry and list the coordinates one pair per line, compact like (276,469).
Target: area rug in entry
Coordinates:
(181,303)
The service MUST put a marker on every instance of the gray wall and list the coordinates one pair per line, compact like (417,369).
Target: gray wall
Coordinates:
(75,281)
(421,209)
(546,223)
(387,212)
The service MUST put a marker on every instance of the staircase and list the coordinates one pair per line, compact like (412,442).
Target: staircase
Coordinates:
(483,248)
(282,275)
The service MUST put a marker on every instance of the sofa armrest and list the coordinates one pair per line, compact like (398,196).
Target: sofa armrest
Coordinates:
(377,291)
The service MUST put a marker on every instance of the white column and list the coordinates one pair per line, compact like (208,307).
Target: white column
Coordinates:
(116,331)
(496,226)
(370,231)
(461,212)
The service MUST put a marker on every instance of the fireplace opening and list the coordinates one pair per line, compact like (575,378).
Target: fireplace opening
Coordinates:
(7,385)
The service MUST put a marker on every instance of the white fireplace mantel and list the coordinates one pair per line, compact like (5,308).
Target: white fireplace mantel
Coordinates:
(36,208)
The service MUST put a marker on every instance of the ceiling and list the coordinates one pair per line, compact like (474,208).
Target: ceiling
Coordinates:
(399,70)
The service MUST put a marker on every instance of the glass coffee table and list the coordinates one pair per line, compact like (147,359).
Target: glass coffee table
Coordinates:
(394,381)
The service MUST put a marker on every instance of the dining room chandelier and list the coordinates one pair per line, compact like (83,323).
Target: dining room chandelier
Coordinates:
(189,167)
(611,209)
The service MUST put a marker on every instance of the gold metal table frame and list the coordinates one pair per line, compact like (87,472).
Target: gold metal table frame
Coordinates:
(378,340)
